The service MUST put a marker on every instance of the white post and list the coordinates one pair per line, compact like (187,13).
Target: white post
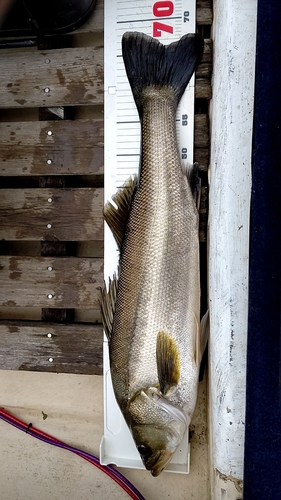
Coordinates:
(234,35)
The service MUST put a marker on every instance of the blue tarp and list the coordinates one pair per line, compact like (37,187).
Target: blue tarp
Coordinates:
(262,468)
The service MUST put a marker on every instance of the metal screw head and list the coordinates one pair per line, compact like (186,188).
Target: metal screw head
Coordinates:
(51,360)
(49,268)
(46,89)
(49,162)
(50,295)
(49,226)
(47,61)
(49,335)
(50,200)
(49,132)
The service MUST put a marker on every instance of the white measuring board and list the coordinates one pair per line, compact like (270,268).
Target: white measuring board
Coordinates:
(167,21)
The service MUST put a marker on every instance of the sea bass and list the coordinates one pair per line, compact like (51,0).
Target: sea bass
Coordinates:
(151,311)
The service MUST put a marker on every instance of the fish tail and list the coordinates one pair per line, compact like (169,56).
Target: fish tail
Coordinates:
(150,63)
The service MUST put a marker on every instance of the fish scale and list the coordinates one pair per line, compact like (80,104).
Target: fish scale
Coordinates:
(158,298)
(155,267)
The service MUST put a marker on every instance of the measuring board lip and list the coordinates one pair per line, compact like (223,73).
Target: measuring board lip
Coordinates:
(121,161)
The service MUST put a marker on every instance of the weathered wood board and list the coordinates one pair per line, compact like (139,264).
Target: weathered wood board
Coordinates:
(201,127)
(63,348)
(59,77)
(204,12)
(203,89)
(54,150)
(62,282)
(73,214)
(51,148)
(63,147)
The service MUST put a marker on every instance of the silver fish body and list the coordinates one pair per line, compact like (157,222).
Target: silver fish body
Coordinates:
(154,337)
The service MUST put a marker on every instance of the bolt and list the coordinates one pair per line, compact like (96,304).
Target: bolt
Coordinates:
(51,360)
(49,226)
(46,89)
(50,132)
(50,295)
(49,335)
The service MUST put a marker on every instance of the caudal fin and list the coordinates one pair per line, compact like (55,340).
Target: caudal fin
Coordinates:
(150,63)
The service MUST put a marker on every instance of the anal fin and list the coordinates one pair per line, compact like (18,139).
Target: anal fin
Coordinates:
(107,305)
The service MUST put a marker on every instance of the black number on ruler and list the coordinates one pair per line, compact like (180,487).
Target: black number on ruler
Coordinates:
(184,153)
(184,120)
(186,16)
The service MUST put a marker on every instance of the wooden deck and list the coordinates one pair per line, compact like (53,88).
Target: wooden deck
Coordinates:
(51,199)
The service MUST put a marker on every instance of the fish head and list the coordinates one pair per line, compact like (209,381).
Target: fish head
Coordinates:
(157,426)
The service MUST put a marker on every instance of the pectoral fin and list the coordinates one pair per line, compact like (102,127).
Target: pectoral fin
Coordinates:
(107,305)
(117,218)
(204,331)
(201,336)
(168,362)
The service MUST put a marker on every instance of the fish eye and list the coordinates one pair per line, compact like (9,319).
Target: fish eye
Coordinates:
(144,451)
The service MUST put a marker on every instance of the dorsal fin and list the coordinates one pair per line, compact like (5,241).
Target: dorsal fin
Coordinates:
(168,362)
(117,218)
(191,171)
(107,305)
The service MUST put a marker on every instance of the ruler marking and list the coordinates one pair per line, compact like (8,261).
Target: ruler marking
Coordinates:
(149,20)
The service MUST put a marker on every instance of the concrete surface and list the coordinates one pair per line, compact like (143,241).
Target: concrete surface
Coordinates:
(33,470)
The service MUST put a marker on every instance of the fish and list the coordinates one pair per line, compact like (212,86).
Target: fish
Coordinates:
(151,306)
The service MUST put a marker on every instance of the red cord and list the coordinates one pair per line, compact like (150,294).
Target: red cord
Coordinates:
(40,434)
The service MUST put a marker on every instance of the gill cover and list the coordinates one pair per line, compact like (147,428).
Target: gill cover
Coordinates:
(157,427)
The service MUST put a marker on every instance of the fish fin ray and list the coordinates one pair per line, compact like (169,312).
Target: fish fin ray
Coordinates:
(150,63)
(107,305)
(117,218)
(201,336)
(168,362)
(197,346)
(191,171)
(204,332)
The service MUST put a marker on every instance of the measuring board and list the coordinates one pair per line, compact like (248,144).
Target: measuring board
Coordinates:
(167,21)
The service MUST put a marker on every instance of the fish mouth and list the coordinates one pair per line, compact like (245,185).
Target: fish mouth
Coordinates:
(157,463)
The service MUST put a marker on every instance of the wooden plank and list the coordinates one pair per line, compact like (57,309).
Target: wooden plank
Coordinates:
(204,70)
(65,348)
(203,88)
(202,156)
(73,147)
(204,12)
(62,282)
(201,131)
(73,214)
(61,77)
(208,51)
